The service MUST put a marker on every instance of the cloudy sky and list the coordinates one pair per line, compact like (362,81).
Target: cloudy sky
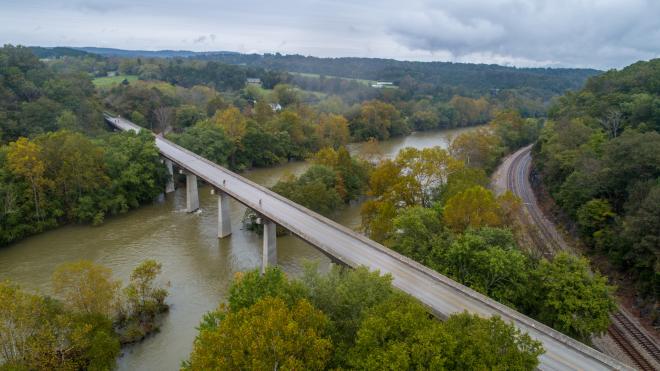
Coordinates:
(582,33)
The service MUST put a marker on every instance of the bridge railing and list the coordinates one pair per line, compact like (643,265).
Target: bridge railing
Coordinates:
(496,307)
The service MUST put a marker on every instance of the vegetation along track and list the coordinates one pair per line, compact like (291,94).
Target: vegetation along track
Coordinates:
(516,169)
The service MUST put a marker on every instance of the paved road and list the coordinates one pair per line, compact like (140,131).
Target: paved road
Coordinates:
(442,295)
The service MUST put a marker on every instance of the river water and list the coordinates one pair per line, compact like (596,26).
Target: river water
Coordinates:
(198,266)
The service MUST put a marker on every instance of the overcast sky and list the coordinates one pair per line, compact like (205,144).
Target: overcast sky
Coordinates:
(582,33)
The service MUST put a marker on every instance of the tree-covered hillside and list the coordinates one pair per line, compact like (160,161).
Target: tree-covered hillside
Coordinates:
(477,77)
(599,157)
(35,100)
(431,77)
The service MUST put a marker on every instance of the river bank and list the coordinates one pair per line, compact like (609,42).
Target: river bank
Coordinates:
(198,265)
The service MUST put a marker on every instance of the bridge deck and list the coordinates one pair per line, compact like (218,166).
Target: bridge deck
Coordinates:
(441,294)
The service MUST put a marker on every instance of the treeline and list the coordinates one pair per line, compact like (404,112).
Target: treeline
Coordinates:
(84,326)
(63,177)
(347,319)
(258,127)
(474,77)
(599,158)
(434,206)
(35,100)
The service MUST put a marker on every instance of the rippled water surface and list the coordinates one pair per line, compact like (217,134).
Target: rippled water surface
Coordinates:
(198,266)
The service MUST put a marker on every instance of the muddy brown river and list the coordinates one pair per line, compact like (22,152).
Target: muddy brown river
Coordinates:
(198,266)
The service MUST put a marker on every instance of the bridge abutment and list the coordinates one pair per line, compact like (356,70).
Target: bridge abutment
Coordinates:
(224,221)
(169,187)
(192,196)
(269,256)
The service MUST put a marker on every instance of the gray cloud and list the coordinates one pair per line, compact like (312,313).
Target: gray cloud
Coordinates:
(562,32)
(597,33)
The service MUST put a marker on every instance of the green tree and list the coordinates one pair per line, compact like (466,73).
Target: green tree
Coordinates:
(594,216)
(490,344)
(248,288)
(398,334)
(479,148)
(136,172)
(513,130)
(187,116)
(379,120)
(487,260)
(67,120)
(268,335)
(642,233)
(416,231)
(286,95)
(75,168)
(139,119)
(145,298)
(462,179)
(344,296)
(315,189)
(571,298)
(469,111)
(206,140)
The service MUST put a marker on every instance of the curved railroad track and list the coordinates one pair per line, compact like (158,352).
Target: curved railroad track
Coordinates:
(642,349)
(545,235)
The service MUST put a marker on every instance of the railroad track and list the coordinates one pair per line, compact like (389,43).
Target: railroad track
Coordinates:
(646,355)
(517,175)
(622,326)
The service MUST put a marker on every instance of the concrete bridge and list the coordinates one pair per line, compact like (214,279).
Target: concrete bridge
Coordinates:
(440,294)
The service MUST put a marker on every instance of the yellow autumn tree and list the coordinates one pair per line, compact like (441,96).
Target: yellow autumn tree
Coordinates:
(477,148)
(233,122)
(478,207)
(327,157)
(413,178)
(87,287)
(24,159)
(332,130)
(265,336)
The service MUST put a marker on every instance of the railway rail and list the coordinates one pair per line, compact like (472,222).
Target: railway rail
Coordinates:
(641,348)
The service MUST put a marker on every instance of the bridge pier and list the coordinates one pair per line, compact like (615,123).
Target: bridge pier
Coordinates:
(224,221)
(169,187)
(192,196)
(269,256)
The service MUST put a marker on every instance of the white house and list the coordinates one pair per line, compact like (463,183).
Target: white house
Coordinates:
(253,81)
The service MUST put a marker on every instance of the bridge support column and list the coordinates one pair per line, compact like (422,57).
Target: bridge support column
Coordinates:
(192,196)
(269,256)
(169,187)
(224,222)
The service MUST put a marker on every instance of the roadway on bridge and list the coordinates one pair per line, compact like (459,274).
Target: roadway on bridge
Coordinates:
(442,295)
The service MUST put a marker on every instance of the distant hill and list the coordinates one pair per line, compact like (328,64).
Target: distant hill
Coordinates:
(148,53)
(58,51)
(480,78)
(471,76)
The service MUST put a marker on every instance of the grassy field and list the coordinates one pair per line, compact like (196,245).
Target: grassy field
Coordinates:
(362,81)
(108,82)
